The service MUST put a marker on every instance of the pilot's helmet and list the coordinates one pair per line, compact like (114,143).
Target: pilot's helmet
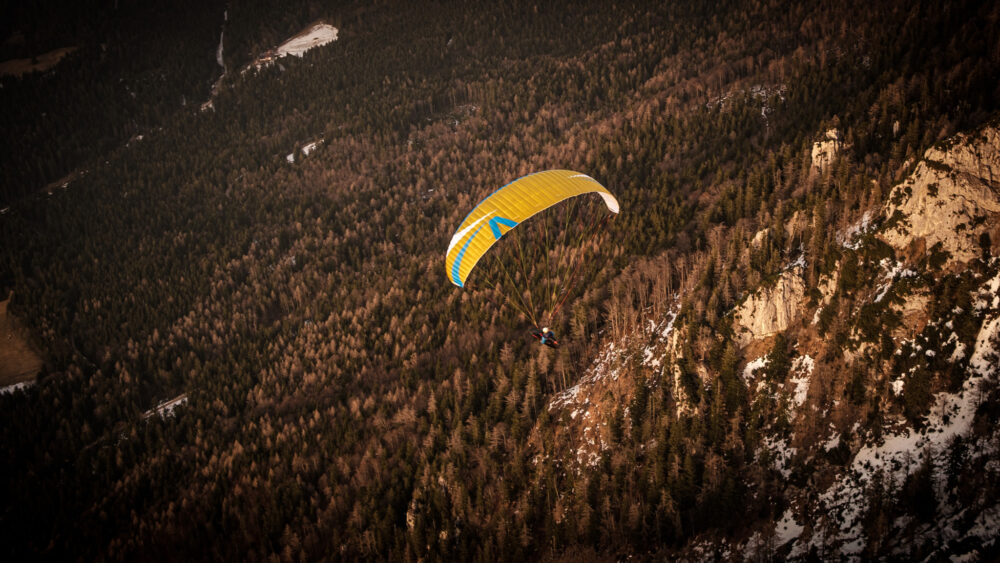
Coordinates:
(545,329)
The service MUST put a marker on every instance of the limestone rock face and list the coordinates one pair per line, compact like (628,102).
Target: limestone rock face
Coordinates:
(770,310)
(827,287)
(823,152)
(758,237)
(951,198)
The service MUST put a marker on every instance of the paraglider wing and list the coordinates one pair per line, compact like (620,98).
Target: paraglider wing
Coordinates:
(505,208)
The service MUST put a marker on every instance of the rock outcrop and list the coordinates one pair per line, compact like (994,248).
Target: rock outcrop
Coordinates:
(827,286)
(772,309)
(889,333)
(951,199)
(823,152)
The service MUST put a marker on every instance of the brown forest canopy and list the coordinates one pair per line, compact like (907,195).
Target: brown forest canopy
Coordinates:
(344,400)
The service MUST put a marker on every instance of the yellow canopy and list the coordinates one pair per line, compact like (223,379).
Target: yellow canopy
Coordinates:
(505,208)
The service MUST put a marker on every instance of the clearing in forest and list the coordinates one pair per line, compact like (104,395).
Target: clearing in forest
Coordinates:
(316,35)
(41,63)
(18,360)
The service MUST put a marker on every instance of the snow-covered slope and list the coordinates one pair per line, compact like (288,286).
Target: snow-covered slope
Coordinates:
(316,36)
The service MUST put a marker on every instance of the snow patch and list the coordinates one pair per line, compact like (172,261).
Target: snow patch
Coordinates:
(22,386)
(802,367)
(799,262)
(851,237)
(832,443)
(316,36)
(984,358)
(166,408)
(901,453)
(897,387)
(787,529)
(749,372)
(311,147)
(218,53)
(894,274)
(649,360)
(781,454)
(670,325)
(988,295)
(959,353)
(305,150)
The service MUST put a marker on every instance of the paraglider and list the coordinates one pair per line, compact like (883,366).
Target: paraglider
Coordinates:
(546,337)
(566,226)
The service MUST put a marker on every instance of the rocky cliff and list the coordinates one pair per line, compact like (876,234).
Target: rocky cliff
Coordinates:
(950,200)
(876,383)
(824,152)
(771,309)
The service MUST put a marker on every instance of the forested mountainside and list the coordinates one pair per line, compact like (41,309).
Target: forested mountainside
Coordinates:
(858,386)
(790,350)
